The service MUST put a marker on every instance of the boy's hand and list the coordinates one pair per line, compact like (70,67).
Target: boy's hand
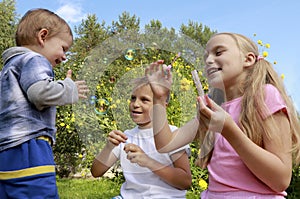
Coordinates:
(136,155)
(82,89)
(116,137)
(69,74)
(81,86)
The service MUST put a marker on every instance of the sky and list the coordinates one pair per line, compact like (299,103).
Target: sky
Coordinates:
(273,21)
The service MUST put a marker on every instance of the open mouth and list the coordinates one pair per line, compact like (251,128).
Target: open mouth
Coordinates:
(136,112)
(211,71)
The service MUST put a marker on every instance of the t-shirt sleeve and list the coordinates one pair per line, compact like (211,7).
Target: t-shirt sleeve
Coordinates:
(274,101)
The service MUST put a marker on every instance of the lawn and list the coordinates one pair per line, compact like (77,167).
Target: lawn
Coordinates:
(105,188)
(87,188)
(102,188)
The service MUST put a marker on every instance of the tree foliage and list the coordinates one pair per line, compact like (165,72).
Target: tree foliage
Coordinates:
(8,21)
(100,56)
(197,31)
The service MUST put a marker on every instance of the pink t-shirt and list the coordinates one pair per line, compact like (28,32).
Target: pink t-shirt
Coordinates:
(227,171)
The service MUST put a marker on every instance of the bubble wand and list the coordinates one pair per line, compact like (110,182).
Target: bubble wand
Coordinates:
(197,83)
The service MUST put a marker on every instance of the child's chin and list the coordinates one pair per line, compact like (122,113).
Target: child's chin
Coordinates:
(143,124)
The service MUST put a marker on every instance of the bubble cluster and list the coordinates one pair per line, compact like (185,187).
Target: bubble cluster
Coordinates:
(109,78)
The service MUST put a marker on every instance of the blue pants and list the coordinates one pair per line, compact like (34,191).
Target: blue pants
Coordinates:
(27,171)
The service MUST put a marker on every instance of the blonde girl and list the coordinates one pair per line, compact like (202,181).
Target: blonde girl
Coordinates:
(252,138)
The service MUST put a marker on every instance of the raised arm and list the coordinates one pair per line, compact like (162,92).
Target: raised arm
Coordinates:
(160,78)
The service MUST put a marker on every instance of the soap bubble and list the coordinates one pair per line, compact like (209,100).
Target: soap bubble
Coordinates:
(129,54)
(109,79)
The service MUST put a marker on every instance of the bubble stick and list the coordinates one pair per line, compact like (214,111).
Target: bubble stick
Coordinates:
(197,83)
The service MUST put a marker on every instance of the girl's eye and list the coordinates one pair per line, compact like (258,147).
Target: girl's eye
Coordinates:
(218,53)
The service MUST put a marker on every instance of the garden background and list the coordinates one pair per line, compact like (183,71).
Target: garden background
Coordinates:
(103,54)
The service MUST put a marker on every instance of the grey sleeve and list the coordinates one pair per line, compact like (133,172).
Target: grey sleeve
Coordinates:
(52,93)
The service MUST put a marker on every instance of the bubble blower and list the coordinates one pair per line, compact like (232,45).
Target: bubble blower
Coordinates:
(197,83)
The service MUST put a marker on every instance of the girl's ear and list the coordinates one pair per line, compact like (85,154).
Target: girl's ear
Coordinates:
(42,34)
(250,59)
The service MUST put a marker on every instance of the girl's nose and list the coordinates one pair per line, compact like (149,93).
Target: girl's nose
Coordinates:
(209,60)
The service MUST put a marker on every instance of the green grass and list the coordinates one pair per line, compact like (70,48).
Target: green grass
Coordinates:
(87,188)
(102,188)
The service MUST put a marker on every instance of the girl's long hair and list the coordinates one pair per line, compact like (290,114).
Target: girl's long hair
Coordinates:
(253,107)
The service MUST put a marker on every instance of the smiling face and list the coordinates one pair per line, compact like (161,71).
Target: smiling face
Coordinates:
(46,33)
(224,62)
(55,48)
(140,106)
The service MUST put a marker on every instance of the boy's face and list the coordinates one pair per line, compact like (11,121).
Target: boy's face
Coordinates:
(140,106)
(55,48)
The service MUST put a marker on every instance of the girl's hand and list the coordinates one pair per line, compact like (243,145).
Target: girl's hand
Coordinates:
(115,137)
(211,116)
(160,78)
(136,155)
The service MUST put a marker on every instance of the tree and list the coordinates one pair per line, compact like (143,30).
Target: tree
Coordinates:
(126,22)
(8,21)
(89,34)
(197,32)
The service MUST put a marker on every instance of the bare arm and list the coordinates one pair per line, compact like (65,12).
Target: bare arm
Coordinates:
(271,164)
(165,140)
(178,175)
(105,159)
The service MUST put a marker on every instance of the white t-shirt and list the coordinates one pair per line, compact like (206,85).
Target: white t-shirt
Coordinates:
(141,182)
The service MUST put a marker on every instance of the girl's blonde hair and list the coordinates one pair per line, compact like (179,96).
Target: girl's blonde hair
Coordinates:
(35,20)
(253,106)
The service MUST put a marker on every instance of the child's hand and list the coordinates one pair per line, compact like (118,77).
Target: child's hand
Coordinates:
(136,155)
(82,89)
(160,78)
(81,86)
(69,74)
(116,137)
(211,116)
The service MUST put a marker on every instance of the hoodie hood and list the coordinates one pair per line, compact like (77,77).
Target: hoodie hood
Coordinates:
(13,51)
